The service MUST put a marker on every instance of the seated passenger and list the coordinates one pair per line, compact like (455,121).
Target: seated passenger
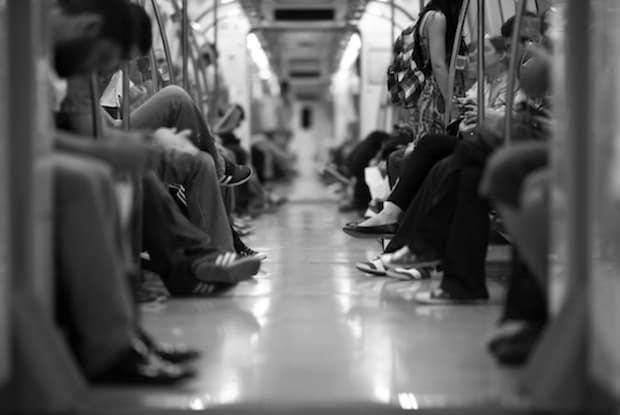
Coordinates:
(448,222)
(431,149)
(180,163)
(92,268)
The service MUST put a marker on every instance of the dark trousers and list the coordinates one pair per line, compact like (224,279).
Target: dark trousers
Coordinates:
(464,258)
(417,164)
(358,160)
(525,299)
(172,241)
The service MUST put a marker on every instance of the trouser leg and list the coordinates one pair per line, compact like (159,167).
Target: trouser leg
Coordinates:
(205,205)
(172,107)
(466,247)
(417,164)
(89,266)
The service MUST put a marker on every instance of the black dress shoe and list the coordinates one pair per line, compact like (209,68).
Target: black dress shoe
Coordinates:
(378,231)
(136,366)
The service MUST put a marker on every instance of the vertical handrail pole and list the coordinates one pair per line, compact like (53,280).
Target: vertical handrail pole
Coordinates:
(185,43)
(578,126)
(94,104)
(125,104)
(455,52)
(512,71)
(501,11)
(216,81)
(164,40)
(481,33)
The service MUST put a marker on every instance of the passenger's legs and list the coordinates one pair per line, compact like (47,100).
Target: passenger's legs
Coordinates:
(172,107)
(466,247)
(415,168)
(204,198)
(92,283)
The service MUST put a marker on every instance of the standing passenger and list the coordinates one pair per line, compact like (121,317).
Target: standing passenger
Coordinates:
(436,29)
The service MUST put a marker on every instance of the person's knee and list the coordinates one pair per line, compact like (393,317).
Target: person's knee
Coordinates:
(205,164)
(176,95)
(535,192)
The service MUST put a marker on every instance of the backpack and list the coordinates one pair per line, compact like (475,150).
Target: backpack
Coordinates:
(406,74)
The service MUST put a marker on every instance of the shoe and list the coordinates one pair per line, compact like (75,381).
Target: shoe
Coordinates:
(374,266)
(138,366)
(243,250)
(371,232)
(413,273)
(227,268)
(235,174)
(515,350)
(173,353)
(441,297)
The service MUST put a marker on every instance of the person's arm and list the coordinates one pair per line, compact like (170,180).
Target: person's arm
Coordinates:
(133,156)
(437,45)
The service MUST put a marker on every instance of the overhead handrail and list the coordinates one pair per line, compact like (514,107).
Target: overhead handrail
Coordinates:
(481,31)
(513,65)
(164,39)
(455,51)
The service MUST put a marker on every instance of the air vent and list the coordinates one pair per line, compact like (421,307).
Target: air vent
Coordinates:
(298,15)
(304,74)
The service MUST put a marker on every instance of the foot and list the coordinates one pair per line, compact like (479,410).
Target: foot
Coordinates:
(235,174)
(137,365)
(227,268)
(174,353)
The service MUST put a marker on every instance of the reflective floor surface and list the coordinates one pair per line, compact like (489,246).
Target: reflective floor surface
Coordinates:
(313,331)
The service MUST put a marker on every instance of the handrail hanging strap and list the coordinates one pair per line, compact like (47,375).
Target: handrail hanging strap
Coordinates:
(512,72)
(455,51)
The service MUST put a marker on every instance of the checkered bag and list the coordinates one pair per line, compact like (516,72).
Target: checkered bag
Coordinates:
(405,78)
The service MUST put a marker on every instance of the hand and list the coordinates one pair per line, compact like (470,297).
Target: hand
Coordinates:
(409,148)
(169,138)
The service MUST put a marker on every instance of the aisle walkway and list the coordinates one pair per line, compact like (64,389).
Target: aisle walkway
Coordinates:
(312,330)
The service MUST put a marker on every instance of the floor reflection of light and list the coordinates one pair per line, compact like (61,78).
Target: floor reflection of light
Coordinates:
(382,394)
(198,404)
(356,327)
(261,308)
(408,401)
(254,339)
(229,393)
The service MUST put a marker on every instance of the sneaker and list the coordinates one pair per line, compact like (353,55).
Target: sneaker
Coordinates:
(235,174)
(243,250)
(227,268)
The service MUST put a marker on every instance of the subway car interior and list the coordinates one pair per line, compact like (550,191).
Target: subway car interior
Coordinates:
(324,206)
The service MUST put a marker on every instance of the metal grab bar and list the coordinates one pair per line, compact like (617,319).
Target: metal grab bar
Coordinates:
(481,29)
(185,43)
(164,39)
(455,52)
(93,85)
(125,113)
(512,71)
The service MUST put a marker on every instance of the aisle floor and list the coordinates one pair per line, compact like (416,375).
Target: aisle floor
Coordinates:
(311,330)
